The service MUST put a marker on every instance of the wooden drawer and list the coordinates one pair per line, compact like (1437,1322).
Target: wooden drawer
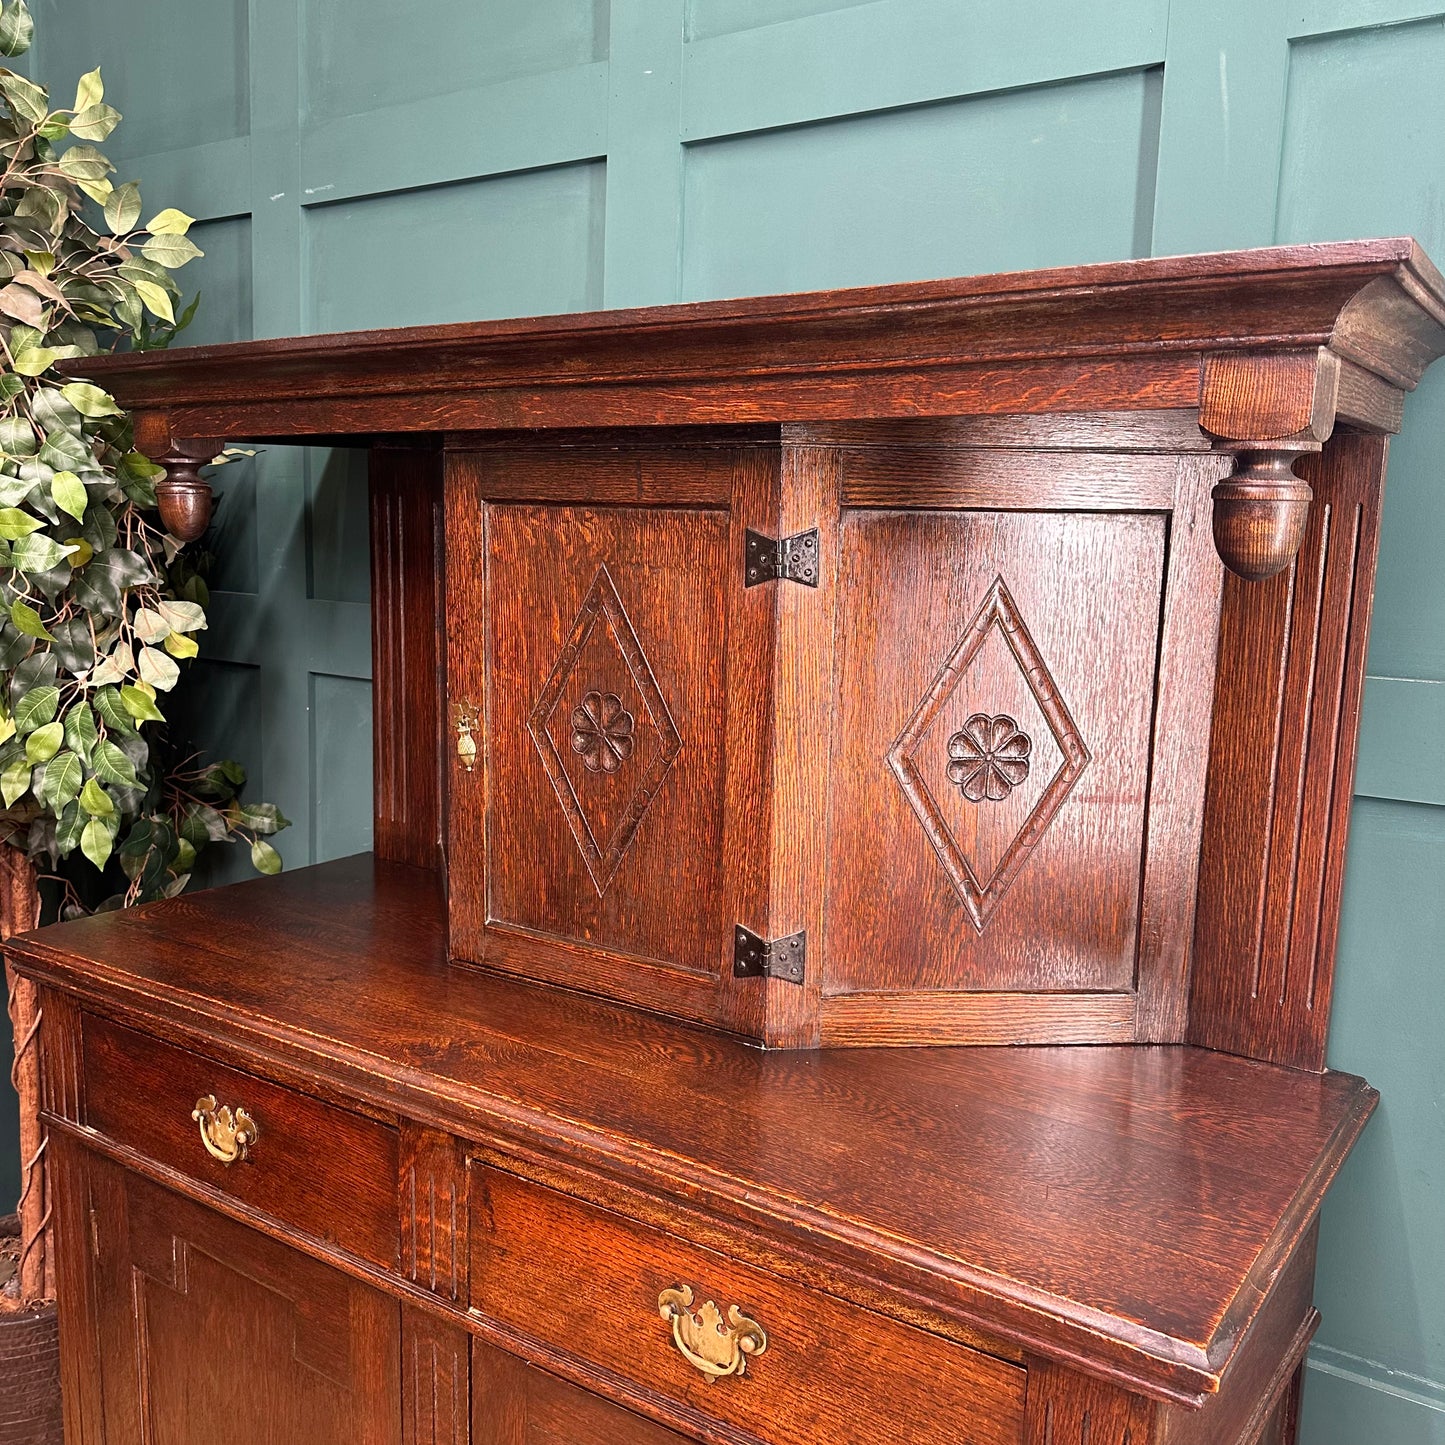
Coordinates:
(584,1281)
(315,1167)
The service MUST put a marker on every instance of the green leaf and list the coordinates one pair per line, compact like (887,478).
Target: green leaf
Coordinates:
(36,708)
(181,616)
(185,855)
(17,436)
(170,222)
(17,29)
(96,801)
(264,858)
(68,829)
(99,192)
(33,360)
(202,824)
(90,400)
(157,302)
(122,211)
(261,817)
(95,842)
(109,705)
(14,781)
(63,775)
(48,207)
(38,554)
(44,742)
(70,494)
(140,705)
(157,669)
(171,251)
(85,163)
(73,645)
(66,451)
(95,122)
(15,524)
(140,467)
(81,732)
(29,100)
(90,91)
(112,765)
(180,646)
(7,726)
(27,620)
(150,626)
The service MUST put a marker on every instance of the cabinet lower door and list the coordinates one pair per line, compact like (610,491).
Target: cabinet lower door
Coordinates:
(210,1333)
(515,1404)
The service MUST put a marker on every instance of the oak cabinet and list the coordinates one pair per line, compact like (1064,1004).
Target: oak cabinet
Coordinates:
(776,701)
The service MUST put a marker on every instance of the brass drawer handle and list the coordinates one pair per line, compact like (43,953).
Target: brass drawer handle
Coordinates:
(704,1341)
(227,1133)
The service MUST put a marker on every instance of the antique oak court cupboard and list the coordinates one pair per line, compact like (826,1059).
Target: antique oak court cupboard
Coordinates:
(888,678)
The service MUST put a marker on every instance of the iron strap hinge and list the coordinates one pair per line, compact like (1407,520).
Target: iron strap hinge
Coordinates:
(785,958)
(793,559)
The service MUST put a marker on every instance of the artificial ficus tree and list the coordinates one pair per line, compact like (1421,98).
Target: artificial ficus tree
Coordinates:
(99,608)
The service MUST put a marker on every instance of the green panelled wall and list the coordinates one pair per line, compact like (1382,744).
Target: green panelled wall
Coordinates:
(359,163)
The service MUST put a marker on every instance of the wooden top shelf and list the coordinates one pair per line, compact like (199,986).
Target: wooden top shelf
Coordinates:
(1124,335)
(1124,1206)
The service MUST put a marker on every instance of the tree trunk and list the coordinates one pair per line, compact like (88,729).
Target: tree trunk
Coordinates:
(19,911)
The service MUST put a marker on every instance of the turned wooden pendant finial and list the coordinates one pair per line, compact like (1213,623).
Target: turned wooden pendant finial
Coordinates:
(1260,512)
(183,495)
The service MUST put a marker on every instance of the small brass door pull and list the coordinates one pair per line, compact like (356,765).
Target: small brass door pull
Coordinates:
(227,1133)
(708,1344)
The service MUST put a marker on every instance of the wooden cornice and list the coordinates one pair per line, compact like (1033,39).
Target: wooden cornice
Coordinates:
(1271,347)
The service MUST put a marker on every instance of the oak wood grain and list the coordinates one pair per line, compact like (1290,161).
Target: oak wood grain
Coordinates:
(586,1282)
(1110,1204)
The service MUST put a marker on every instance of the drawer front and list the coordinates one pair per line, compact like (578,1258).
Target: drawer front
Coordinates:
(315,1167)
(586,1282)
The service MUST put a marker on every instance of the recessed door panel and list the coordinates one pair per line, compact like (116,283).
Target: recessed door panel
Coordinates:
(605,729)
(991,750)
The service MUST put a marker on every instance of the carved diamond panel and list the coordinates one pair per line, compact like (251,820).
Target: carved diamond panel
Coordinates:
(636,753)
(986,758)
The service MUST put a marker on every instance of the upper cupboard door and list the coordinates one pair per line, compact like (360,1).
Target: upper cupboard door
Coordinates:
(588,843)
(991,754)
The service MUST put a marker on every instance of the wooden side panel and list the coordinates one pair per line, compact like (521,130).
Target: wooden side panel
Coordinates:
(1281,773)
(435,1381)
(71,1245)
(1065,1408)
(406,652)
(1259,1381)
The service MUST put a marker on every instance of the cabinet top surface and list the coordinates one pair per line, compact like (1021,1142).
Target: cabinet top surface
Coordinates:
(919,348)
(1126,1204)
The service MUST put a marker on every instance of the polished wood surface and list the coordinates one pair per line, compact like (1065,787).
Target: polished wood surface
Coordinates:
(1124,334)
(585,1282)
(320,1169)
(1119,1202)
(209,1331)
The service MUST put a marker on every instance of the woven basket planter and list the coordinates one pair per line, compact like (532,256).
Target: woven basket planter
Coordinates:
(29,1376)
(29,1364)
